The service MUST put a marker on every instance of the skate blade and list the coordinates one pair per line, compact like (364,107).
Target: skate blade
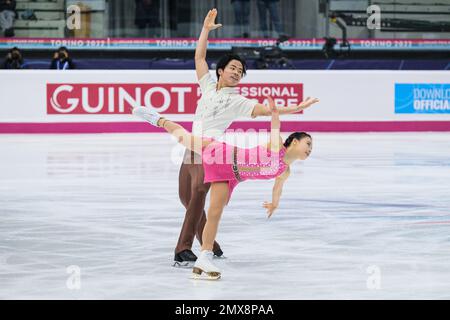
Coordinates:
(199,274)
(183,265)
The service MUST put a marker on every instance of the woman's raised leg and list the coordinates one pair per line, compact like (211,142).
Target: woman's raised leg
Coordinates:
(183,136)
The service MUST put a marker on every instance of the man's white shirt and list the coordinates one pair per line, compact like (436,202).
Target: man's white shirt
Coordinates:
(217,109)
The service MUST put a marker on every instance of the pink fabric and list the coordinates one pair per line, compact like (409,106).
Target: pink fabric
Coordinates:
(270,164)
(287,126)
(217,160)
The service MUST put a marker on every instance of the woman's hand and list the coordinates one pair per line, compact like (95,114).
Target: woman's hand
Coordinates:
(270,208)
(272,106)
(307,103)
(210,18)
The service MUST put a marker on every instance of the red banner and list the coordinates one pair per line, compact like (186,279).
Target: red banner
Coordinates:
(101,98)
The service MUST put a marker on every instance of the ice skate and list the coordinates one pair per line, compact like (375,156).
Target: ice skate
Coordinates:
(147,114)
(184,259)
(218,254)
(204,269)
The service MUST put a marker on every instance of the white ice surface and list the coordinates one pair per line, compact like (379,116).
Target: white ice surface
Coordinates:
(363,208)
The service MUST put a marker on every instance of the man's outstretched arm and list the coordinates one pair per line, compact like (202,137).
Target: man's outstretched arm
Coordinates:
(201,67)
(263,110)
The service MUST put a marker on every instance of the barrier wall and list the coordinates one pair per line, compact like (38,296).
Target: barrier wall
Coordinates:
(87,101)
(218,43)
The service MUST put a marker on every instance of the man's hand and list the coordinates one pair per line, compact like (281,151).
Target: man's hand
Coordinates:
(210,18)
(307,103)
(270,208)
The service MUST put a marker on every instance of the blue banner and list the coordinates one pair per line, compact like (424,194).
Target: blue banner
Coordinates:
(422,98)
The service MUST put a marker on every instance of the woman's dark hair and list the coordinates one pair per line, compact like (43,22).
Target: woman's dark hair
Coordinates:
(224,60)
(296,135)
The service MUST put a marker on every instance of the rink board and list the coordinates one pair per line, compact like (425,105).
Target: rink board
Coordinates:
(90,101)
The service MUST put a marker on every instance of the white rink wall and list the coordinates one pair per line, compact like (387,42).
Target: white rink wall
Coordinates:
(383,100)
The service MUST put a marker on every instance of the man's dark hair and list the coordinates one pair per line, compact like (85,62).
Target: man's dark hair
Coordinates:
(62,49)
(14,49)
(224,60)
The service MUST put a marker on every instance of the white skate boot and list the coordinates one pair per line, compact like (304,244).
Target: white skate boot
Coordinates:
(147,114)
(204,268)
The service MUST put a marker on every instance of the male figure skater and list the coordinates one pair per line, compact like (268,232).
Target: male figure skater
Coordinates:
(217,108)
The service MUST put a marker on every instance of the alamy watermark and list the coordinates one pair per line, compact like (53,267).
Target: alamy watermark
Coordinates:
(374,280)
(74,280)
(374,19)
(73,21)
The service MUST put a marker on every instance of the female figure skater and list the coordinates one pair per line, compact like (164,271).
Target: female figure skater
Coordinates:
(261,162)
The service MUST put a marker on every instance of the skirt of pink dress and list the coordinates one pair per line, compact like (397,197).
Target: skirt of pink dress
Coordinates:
(217,159)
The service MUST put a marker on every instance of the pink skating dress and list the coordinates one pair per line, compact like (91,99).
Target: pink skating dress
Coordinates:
(224,162)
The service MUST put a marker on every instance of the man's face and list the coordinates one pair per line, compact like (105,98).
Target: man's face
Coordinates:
(62,54)
(232,74)
(15,54)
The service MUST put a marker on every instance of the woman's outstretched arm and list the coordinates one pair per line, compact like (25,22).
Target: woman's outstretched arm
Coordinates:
(276,193)
(275,137)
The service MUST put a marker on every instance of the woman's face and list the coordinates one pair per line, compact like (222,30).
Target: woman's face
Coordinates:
(303,147)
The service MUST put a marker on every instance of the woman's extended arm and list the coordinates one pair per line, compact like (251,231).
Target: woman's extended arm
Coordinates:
(276,193)
(275,137)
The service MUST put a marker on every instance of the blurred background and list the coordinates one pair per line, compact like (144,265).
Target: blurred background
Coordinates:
(405,19)
(270,33)
(366,217)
